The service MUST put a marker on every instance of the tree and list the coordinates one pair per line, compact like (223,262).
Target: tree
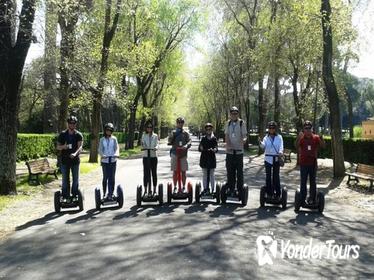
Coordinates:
(50,51)
(12,60)
(109,32)
(331,91)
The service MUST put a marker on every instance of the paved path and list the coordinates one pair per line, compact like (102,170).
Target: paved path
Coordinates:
(180,241)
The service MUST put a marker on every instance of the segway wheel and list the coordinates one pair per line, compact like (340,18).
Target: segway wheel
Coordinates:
(197,192)
(169,192)
(284,198)
(57,202)
(244,195)
(190,192)
(120,196)
(139,193)
(80,200)
(218,193)
(97,198)
(321,202)
(160,194)
(262,196)
(224,193)
(297,201)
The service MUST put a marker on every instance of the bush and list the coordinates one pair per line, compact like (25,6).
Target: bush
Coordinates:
(357,131)
(355,150)
(31,146)
(121,137)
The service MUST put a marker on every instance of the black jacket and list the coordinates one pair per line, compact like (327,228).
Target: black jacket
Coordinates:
(208,158)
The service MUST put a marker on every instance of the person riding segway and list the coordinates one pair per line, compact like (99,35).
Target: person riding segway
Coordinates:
(69,143)
(308,145)
(180,141)
(149,144)
(109,152)
(273,146)
(235,136)
(208,147)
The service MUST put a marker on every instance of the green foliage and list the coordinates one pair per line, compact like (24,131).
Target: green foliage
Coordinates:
(31,146)
(357,131)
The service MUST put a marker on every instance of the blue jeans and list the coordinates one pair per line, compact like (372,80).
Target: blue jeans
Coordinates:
(305,171)
(65,171)
(272,182)
(109,174)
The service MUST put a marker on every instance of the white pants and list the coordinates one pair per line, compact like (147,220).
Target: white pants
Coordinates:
(205,178)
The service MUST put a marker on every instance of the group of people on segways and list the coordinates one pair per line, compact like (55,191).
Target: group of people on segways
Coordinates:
(70,143)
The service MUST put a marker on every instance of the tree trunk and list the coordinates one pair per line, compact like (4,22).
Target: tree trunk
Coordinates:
(332,94)
(12,60)
(295,92)
(109,32)
(276,100)
(50,108)
(261,110)
(350,113)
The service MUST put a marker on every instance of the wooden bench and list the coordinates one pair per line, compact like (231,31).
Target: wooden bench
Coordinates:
(38,167)
(363,171)
(287,155)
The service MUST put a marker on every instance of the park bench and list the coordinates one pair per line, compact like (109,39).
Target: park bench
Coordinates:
(38,167)
(362,171)
(287,155)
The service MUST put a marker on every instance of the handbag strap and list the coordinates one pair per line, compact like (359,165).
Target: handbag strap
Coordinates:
(272,143)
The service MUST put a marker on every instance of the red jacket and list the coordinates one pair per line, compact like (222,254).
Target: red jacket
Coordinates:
(308,149)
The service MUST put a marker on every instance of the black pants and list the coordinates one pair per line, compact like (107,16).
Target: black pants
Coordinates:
(149,166)
(305,171)
(234,168)
(272,178)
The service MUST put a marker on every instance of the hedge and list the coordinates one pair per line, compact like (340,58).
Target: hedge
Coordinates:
(355,150)
(32,146)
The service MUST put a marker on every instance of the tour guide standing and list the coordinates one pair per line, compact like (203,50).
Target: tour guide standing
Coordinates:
(308,145)
(70,143)
(235,136)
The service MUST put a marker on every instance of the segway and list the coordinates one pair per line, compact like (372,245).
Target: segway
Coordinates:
(149,197)
(210,195)
(266,199)
(179,193)
(318,204)
(73,201)
(115,201)
(240,195)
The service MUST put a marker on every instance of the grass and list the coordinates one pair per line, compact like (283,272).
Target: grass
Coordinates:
(127,153)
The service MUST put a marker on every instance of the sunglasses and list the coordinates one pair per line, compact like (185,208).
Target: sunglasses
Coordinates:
(149,126)
(308,128)
(271,127)
(72,123)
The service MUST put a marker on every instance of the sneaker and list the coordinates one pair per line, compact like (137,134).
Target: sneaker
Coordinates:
(175,189)
(184,189)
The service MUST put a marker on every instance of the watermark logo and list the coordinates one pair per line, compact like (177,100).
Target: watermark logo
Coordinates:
(268,249)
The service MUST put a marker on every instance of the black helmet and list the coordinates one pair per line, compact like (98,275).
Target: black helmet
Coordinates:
(180,120)
(272,124)
(72,119)
(234,109)
(109,126)
(208,125)
(307,124)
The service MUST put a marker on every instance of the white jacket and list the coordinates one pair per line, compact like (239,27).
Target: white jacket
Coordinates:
(149,142)
(108,147)
(272,147)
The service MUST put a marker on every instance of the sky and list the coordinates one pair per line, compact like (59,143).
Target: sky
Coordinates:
(196,50)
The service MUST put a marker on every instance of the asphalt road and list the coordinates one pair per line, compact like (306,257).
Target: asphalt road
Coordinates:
(198,241)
